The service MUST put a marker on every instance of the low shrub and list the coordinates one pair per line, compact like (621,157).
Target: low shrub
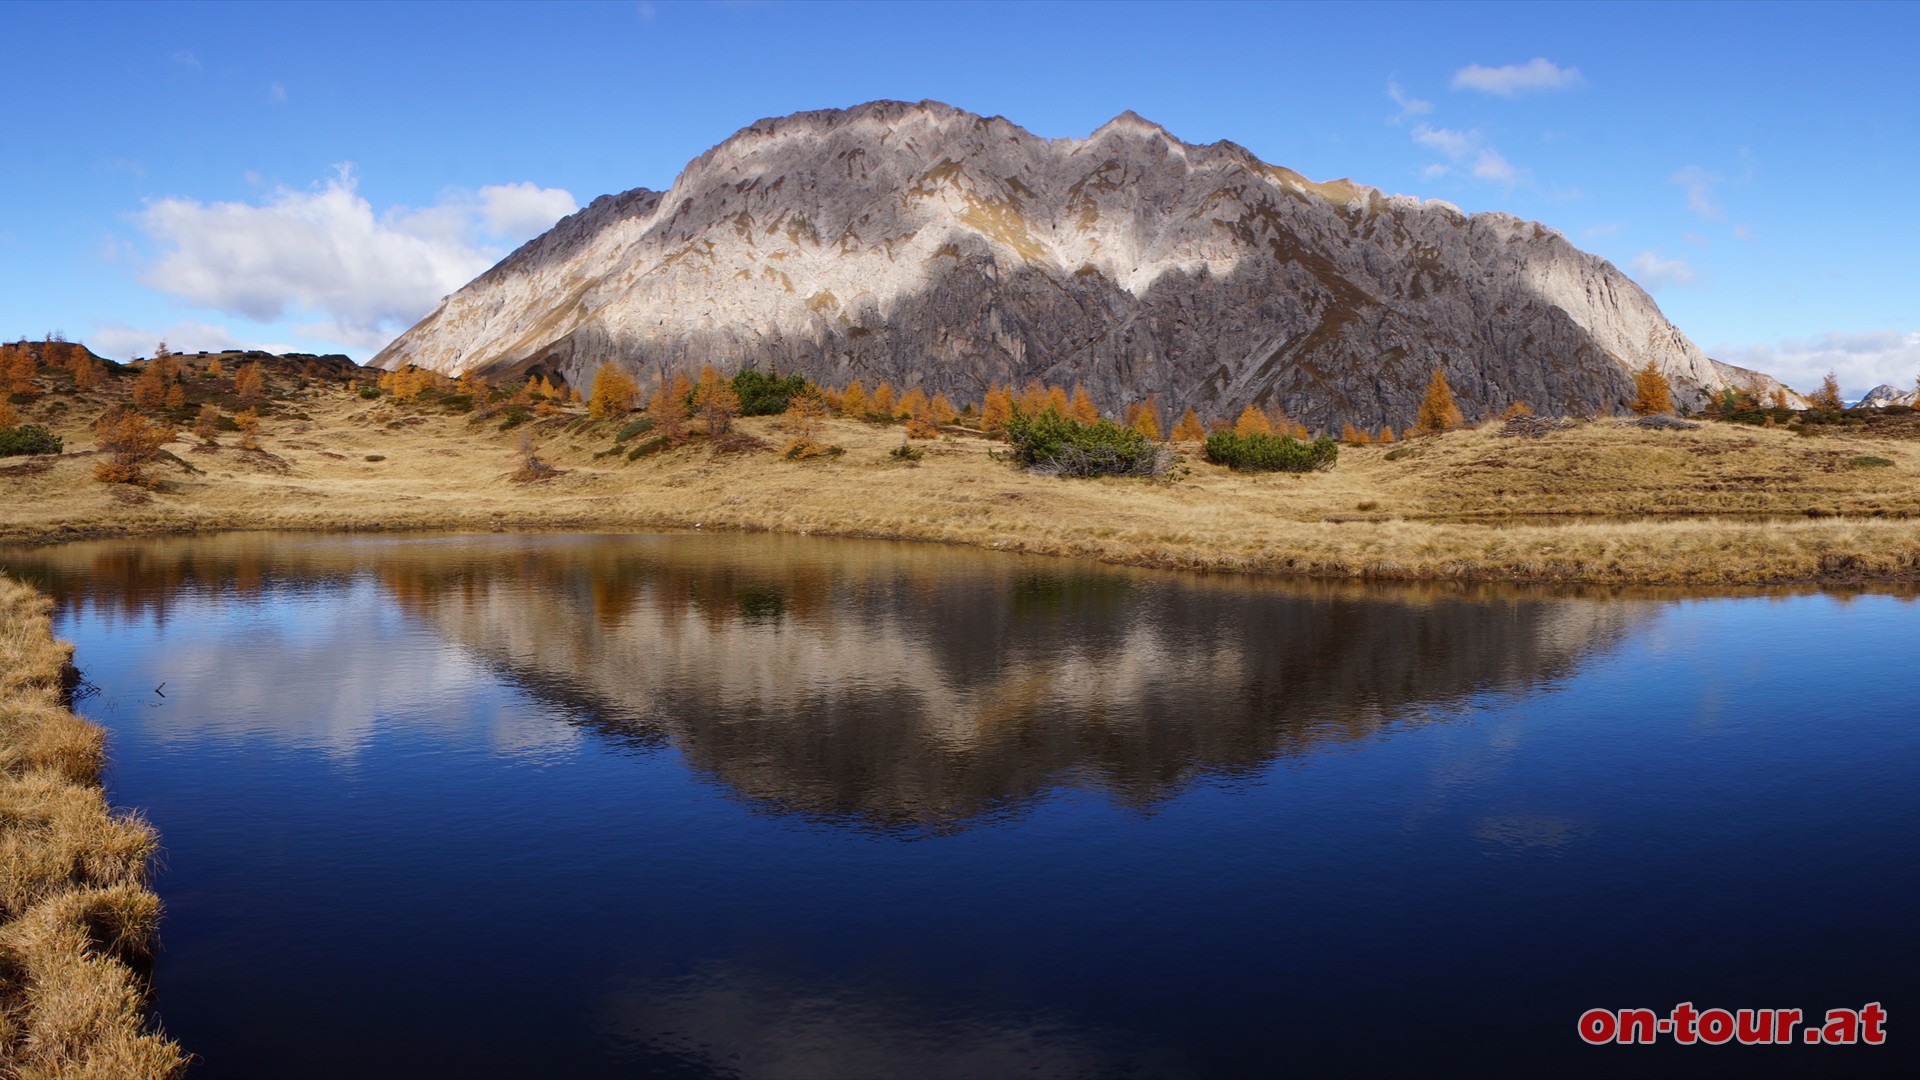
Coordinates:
(29,439)
(648,446)
(908,453)
(1272,453)
(369,392)
(807,449)
(634,427)
(1869,461)
(762,394)
(1055,445)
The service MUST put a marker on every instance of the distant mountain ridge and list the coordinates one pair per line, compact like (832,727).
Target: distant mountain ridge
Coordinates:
(928,246)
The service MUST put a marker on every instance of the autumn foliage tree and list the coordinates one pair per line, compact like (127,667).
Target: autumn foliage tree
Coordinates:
(207,424)
(1082,408)
(715,402)
(668,409)
(996,409)
(1058,402)
(940,410)
(1437,410)
(149,390)
(1827,398)
(126,443)
(249,421)
(1652,393)
(1033,398)
(1189,429)
(1252,422)
(853,400)
(1145,417)
(614,392)
(251,382)
(20,370)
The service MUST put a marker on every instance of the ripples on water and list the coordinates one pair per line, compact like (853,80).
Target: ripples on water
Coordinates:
(512,806)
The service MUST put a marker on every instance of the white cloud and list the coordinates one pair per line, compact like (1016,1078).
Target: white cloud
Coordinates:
(1696,240)
(277,93)
(523,209)
(1743,232)
(1409,105)
(119,340)
(1594,232)
(1655,271)
(185,59)
(1512,80)
(1700,184)
(324,252)
(1861,361)
(1469,150)
(1435,171)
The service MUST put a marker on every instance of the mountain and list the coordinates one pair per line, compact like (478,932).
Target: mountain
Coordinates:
(925,245)
(1883,395)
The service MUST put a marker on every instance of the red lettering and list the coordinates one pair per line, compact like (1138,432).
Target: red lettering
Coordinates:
(1784,1021)
(1753,1026)
(1843,1027)
(1637,1025)
(1872,1019)
(1597,1026)
(1716,1026)
(1683,1017)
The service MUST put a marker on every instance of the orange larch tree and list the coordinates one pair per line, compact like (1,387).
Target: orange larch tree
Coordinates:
(251,382)
(853,400)
(1189,429)
(940,409)
(1082,408)
(715,402)
(1252,422)
(669,408)
(1652,393)
(1058,402)
(615,392)
(996,409)
(1437,410)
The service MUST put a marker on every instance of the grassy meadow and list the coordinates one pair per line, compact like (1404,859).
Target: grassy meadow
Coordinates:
(1725,504)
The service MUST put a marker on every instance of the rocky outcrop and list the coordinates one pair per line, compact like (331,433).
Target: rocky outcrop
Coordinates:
(924,245)
(1883,395)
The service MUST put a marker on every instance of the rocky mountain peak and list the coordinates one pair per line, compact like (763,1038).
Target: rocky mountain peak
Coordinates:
(926,245)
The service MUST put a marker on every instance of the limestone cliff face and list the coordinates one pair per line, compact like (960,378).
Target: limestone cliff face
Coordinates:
(927,246)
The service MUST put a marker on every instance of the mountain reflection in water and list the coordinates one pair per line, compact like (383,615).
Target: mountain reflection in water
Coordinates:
(885,685)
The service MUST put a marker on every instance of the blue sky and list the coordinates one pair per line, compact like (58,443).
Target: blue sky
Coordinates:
(317,175)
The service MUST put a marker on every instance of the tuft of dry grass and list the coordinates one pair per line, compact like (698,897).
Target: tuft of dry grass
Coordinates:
(75,910)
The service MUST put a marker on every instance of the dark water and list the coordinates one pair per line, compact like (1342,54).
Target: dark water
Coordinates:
(697,805)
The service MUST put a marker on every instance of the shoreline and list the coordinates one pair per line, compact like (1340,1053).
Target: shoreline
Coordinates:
(77,918)
(1809,543)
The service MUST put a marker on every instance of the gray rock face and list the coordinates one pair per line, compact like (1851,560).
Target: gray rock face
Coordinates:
(1883,395)
(927,246)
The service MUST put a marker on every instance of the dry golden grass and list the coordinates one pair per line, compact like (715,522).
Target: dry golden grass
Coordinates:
(1717,506)
(74,906)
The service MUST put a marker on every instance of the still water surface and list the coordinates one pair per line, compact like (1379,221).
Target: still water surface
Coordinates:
(770,806)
